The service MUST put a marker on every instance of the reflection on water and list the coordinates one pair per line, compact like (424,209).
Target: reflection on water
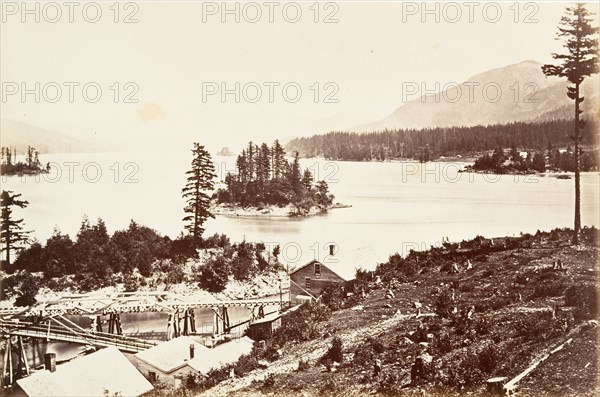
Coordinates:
(150,326)
(395,207)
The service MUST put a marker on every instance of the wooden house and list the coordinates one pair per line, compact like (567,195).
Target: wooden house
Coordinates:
(308,281)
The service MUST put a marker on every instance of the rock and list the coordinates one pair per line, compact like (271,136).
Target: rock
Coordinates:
(263,363)
(417,305)
(358,308)
(423,344)
(388,305)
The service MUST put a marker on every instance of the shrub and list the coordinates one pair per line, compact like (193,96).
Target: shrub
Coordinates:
(29,289)
(489,357)
(213,275)
(550,288)
(301,324)
(333,296)
(585,300)
(443,343)
(365,354)
(443,304)
(335,352)
(303,365)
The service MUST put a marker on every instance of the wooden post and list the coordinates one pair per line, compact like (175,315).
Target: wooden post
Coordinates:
(6,358)
(98,323)
(118,324)
(225,318)
(192,320)
(185,322)
(215,322)
(9,364)
(23,358)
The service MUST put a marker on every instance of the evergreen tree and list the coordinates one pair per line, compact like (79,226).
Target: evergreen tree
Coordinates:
(278,160)
(294,178)
(251,161)
(199,184)
(539,162)
(307,179)
(580,62)
(11,231)
(263,165)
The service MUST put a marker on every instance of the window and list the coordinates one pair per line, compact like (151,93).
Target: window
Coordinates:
(317,269)
(307,282)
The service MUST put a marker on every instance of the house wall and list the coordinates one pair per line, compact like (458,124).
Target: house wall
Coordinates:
(317,282)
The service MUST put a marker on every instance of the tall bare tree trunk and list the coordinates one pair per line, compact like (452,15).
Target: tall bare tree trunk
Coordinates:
(577,225)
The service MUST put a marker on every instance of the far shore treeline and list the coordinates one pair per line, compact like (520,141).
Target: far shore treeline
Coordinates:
(431,143)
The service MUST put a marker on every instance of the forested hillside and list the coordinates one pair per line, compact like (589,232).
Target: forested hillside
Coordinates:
(431,143)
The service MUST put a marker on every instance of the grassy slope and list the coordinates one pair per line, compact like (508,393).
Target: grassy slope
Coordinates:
(503,337)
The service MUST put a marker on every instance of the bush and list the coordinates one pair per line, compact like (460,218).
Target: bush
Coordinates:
(551,288)
(333,296)
(213,275)
(585,300)
(365,354)
(29,289)
(303,366)
(335,352)
(443,304)
(489,357)
(301,324)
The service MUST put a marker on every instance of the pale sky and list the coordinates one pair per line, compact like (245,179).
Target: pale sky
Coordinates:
(171,52)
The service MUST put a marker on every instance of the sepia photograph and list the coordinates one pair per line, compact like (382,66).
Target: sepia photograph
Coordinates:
(299,198)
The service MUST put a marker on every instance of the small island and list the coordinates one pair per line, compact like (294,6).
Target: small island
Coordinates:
(266,184)
(528,162)
(32,165)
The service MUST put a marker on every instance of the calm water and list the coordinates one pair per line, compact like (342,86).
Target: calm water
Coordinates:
(395,206)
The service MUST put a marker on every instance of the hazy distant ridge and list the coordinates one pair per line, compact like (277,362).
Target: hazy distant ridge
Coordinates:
(20,135)
(526,95)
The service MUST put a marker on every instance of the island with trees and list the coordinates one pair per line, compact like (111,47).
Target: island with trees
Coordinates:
(31,166)
(267,184)
(529,162)
(138,257)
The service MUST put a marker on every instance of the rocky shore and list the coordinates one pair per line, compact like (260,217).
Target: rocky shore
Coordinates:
(271,211)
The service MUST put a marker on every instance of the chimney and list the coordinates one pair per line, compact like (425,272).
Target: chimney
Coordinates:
(331,249)
(50,362)
(191,351)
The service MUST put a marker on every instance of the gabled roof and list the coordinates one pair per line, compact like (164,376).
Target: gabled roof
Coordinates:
(347,262)
(171,355)
(221,355)
(106,370)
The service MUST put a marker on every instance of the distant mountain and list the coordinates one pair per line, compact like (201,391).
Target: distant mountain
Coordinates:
(524,94)
(20,135)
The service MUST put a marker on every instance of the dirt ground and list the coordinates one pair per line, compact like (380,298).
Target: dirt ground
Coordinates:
(510,308)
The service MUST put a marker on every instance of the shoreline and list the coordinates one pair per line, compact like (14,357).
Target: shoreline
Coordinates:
(271,211)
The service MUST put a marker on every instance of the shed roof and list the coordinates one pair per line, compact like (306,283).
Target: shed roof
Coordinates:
(221,355)
(171,355)
(345,264)
(106,370)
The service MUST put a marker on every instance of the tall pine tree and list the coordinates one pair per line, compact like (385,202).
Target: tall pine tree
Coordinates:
(580,62)
(11,231)
(196,191)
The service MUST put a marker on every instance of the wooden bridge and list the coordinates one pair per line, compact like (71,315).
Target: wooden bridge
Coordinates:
(130,302)
(78,335)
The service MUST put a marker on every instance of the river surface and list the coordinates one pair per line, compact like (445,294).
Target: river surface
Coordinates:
(395,207)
